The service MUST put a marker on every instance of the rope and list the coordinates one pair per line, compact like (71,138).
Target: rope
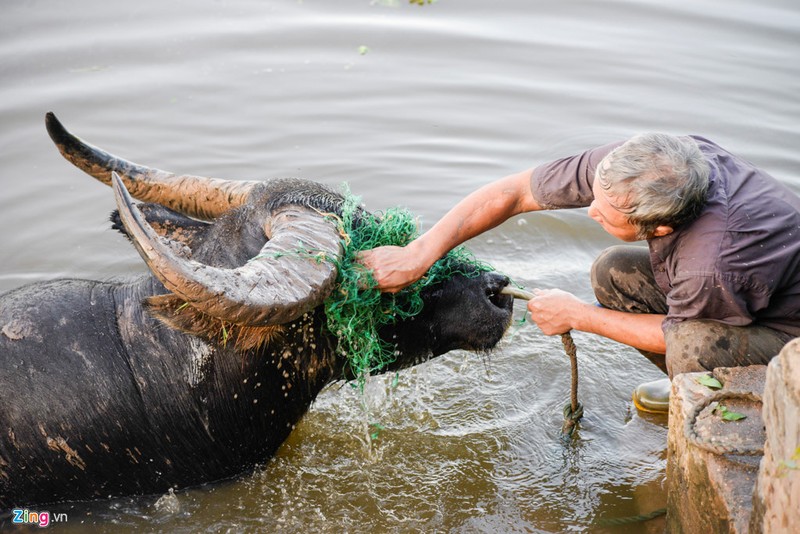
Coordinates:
(574,410)
(641,518)
(719,448)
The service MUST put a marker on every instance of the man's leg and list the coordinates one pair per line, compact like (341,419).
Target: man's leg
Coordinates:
(623,280)
(701,345)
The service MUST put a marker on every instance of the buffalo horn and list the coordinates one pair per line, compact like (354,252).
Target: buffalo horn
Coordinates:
(293,274)
(194,196)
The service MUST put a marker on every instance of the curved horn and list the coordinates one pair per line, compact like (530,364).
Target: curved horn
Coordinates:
(195,196)
(276,286)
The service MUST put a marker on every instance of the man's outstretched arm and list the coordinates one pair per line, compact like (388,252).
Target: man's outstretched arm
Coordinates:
(396,267)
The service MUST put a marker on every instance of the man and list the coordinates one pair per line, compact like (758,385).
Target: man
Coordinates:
(717,286)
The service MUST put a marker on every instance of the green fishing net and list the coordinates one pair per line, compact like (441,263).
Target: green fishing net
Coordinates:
(356,310)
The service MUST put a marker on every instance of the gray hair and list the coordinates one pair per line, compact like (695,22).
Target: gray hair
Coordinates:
(661,180)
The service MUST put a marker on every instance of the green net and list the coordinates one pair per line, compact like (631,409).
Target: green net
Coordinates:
(356,311)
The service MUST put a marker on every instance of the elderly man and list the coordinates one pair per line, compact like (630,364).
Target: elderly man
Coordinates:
(718,285)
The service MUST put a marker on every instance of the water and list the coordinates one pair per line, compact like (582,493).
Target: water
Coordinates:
(414,106)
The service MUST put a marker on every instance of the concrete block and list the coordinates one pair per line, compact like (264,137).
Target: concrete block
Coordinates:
(708,491)
(776,500)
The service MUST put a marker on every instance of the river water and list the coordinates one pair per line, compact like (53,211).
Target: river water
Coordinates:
(414,106)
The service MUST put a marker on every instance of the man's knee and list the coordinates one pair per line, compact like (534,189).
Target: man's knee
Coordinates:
(604,270)
(703,345)
(687,342)
(622,279)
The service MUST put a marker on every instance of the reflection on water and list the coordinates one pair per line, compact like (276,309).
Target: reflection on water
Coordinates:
(445,99)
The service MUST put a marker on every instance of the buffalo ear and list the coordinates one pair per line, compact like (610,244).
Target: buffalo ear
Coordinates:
(180,315)
(167,223)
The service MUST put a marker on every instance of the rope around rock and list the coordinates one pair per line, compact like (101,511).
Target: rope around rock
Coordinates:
(707,444)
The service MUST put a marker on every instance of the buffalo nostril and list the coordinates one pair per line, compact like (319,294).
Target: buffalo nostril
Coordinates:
(495,282)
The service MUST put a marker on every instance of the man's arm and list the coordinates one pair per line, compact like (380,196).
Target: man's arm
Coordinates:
(396,267)
(556,312)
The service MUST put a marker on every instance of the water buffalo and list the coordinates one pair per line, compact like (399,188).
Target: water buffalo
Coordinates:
(200,369)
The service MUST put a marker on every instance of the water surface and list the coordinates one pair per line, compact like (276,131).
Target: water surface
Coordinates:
(412,106)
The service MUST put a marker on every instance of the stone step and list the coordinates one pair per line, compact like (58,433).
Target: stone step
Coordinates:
(736,476)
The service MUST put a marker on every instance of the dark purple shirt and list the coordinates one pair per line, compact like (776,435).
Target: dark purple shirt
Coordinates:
(737,263)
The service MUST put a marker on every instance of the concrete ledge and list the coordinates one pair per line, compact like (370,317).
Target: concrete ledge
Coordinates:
(710,492)
(776,501)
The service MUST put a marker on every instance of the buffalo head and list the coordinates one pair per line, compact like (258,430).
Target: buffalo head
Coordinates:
(226,252)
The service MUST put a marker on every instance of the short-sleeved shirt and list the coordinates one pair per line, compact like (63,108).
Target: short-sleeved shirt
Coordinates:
(737,263)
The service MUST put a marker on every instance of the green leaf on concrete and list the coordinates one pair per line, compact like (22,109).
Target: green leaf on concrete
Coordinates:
(794,462)
(733,416)
(709,381)
(728,415)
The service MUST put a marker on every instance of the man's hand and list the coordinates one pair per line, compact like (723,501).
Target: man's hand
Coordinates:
(555,311)
(393,267)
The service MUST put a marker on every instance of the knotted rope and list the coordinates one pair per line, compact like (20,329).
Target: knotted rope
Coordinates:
(574,410)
